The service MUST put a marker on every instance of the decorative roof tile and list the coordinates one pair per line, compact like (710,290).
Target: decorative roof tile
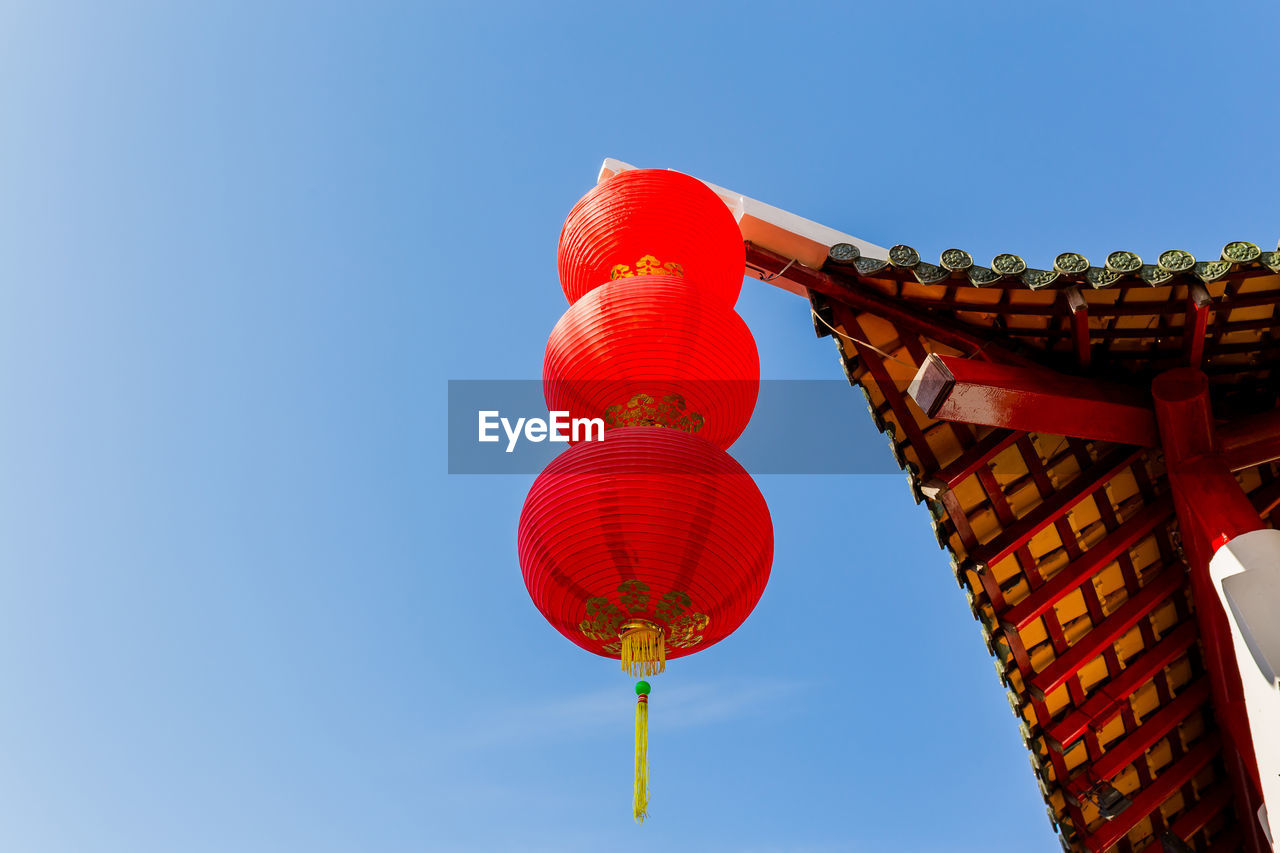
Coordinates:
(930,274)
(869,266)
(1070,263)
(1240,252)
(1069,268)
(1098,277)
(1176,260)
(1036,279)
(903,256)
(1008,265)
(958,260)
(1208,271)
(1154,275)
(1123,262)
(844,253)
(981,276)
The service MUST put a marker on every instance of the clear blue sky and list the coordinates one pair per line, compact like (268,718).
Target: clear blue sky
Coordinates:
(244,245)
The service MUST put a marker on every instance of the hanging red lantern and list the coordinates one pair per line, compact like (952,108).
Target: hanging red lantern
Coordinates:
(652,222)
(657,352)
(651,544)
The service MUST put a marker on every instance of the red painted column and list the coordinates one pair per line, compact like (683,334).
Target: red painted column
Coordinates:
(1212,509)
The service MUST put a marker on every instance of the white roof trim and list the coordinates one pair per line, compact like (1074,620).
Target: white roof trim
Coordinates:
(772,228)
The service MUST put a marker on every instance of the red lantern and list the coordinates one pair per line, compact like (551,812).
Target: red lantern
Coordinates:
(652,222)
(655,352)
(650,539)
(650,544)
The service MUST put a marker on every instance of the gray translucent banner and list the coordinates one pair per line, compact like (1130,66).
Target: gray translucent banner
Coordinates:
(798,427)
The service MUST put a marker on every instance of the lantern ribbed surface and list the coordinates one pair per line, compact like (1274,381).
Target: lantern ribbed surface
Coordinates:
(651,222)
(655,351)
(650,524)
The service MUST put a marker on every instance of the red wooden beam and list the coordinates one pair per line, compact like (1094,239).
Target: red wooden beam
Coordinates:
(1266,498)
(1101,310)
(1036,400)
(1250,441)
(1131,748)
(1058,504)
(1229,841)
(846,318)
(1198,302)
(968,462)
(1092,644)
(1211,502)
(1151,797)
(1080,570)
(1031,400)
(1079,325)
(1110,699)
(940,327)
(1195,818)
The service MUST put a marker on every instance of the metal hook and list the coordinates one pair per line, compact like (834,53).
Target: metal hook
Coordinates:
(780,272)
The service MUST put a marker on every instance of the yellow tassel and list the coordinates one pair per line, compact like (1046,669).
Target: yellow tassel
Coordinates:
(644,648)
(642,757)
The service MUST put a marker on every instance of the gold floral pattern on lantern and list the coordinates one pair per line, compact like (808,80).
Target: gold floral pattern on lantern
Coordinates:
(643,410)
(635,595)
(647,265)
(672,605)
(686,632)
(605,618)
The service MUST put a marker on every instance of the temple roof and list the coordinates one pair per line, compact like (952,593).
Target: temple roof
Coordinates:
(1067,550)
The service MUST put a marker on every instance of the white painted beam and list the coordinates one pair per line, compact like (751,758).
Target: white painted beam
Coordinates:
(774,229)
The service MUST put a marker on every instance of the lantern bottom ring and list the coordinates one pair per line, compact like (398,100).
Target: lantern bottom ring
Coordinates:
(644,647)
(639,625)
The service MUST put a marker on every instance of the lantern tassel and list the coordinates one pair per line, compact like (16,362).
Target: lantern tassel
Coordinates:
(644,648)
(641,806)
